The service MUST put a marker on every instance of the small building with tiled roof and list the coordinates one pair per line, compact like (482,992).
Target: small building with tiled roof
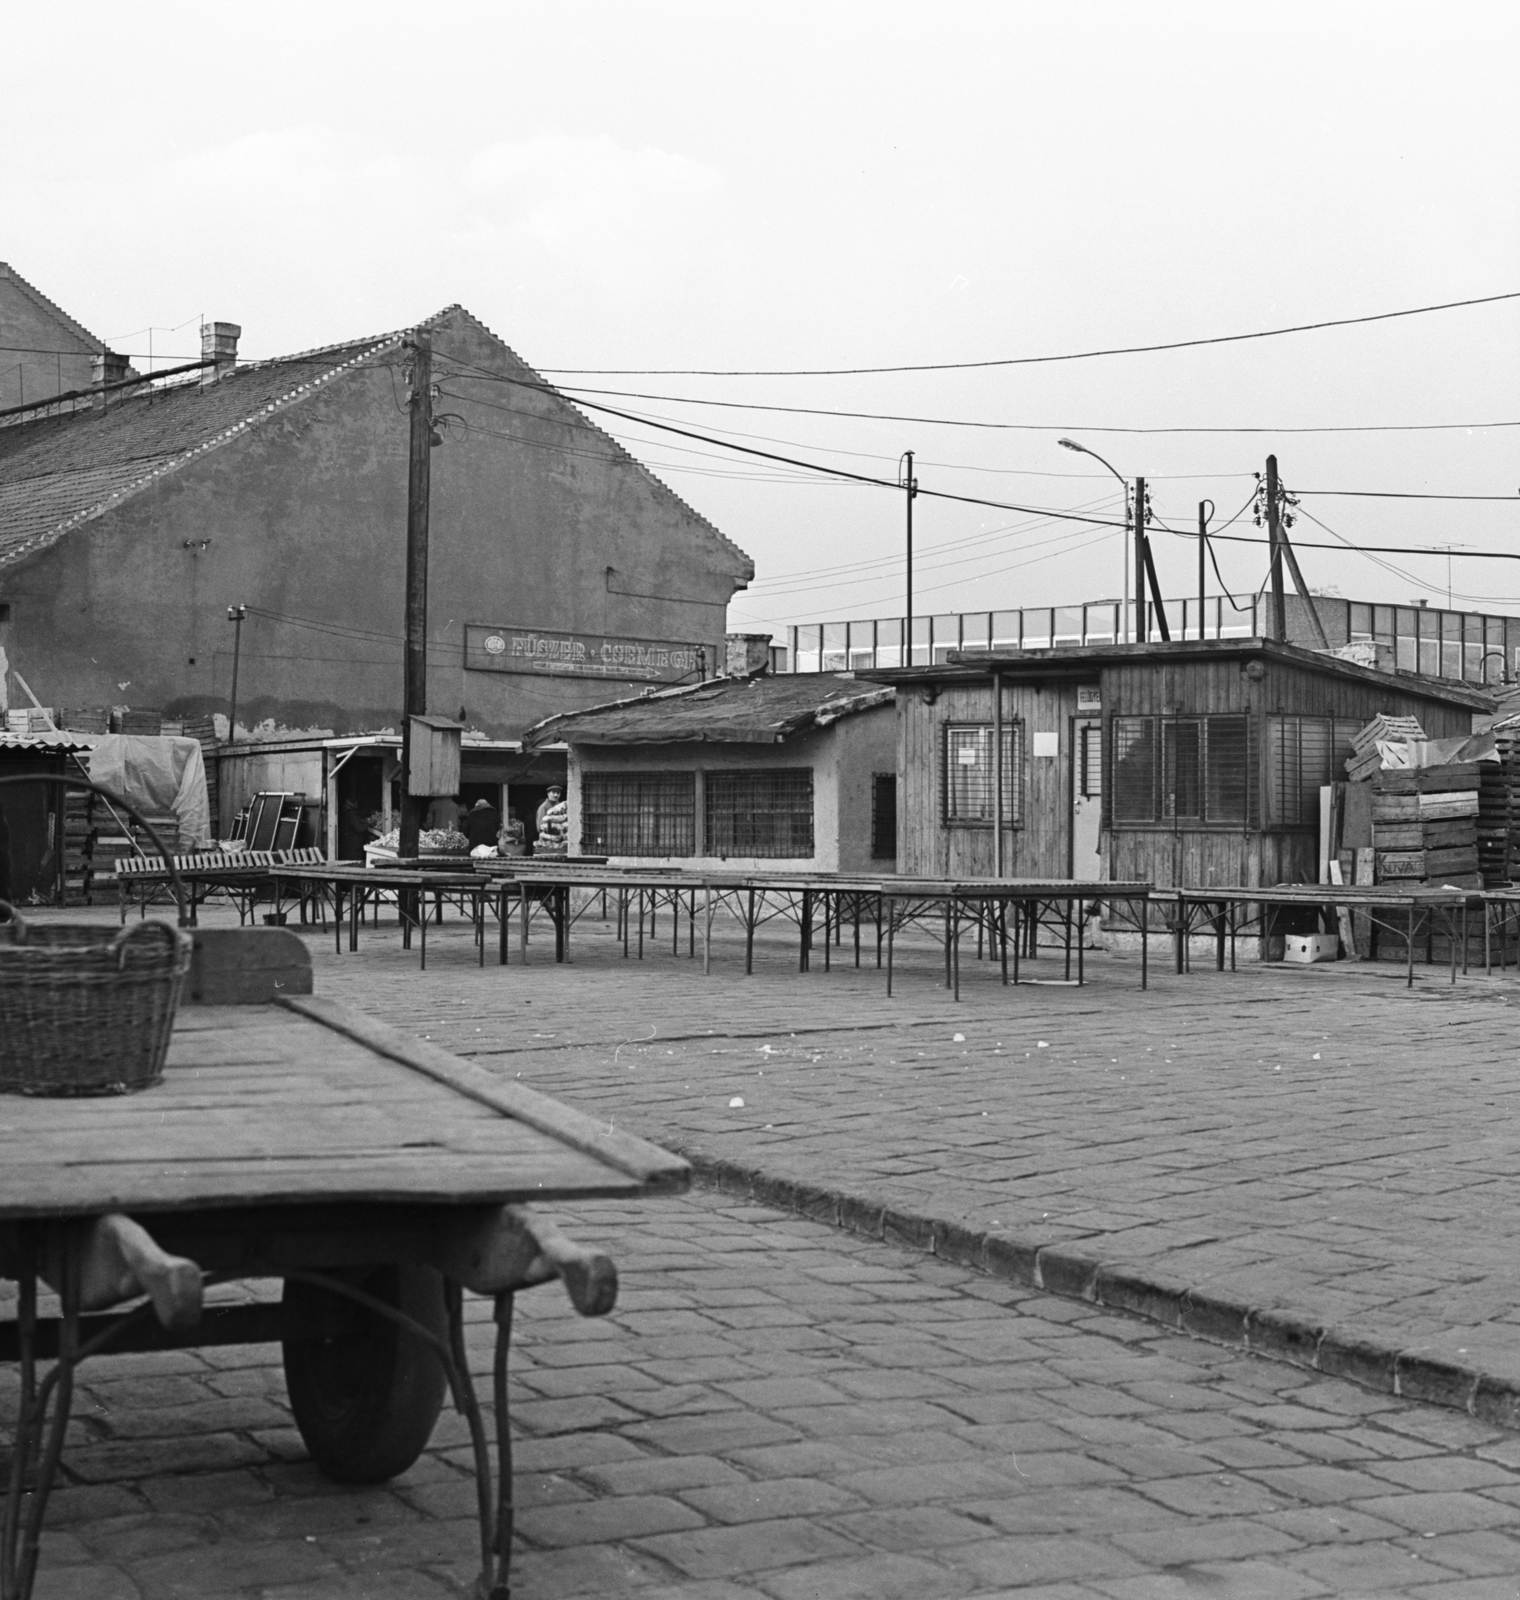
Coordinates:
(561,569)
(792,773)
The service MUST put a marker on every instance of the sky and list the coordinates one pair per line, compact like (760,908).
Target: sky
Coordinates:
(814,185)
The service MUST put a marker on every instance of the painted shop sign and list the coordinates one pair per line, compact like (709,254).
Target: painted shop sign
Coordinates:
(559,654)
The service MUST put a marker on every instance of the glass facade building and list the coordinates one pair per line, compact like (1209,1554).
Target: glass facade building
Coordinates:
(1465,645)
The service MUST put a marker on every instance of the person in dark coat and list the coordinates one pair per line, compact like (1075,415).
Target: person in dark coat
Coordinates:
(482,824)
(354,832)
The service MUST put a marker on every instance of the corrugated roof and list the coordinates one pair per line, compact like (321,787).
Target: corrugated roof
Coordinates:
(60,471)
(757,710)
(48,741)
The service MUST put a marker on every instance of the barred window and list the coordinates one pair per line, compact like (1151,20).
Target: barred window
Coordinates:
(966,774)
(638,813)
(883,816)
(759,813)
(1304,753)
(1090,760)
(1180,769)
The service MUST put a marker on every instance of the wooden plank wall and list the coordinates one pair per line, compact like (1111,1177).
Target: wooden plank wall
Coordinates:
(1038,849)
(1293,690)
(1164,856)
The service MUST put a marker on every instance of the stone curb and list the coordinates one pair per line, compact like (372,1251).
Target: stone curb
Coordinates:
(1278,1332)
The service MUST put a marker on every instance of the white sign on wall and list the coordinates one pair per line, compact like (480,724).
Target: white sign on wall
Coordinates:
(1089,697)
(1047,744)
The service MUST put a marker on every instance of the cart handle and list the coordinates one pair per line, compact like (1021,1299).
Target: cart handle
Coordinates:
(177,884)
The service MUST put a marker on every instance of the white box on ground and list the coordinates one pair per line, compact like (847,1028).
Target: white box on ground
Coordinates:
(1309,947)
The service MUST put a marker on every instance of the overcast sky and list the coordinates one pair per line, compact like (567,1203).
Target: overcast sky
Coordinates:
(811,185)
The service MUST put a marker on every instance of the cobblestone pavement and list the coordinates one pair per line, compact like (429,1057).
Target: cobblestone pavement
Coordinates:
(781,1411)
(1316,1145)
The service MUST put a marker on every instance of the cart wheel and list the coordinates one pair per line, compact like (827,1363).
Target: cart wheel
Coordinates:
(365,1392)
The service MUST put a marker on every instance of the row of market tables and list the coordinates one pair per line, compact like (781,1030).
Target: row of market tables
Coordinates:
(1006,916)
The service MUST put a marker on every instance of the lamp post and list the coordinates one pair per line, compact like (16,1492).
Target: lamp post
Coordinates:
(1082,449)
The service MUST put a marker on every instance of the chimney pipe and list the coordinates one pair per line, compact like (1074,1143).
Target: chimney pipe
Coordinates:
(219,342)
(745,654)
(108,367)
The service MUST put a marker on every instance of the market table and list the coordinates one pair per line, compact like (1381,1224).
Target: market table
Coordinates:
(1226,912)
(294,1138)
(361,885)
(1033,902)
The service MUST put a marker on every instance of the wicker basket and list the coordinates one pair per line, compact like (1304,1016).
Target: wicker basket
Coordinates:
(86,1009)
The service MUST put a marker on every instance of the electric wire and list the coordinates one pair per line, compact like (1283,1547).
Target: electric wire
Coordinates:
(811,466)
(1030,427)
(1026,361)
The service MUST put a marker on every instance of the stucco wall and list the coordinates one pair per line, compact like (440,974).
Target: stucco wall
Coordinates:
(842,757)
(306,518)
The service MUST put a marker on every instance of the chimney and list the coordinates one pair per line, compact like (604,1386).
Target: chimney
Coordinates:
(745,654)
(108,367)
(219,341)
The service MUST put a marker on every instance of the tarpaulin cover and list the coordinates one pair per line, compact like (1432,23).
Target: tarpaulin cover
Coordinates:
(158,776)
(1404,755)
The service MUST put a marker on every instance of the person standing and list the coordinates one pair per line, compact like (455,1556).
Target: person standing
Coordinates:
(555,797)
(443,813)
(481,824)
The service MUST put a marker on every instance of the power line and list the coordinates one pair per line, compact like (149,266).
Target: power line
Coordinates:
(1394,494)
(1365,549)
(1022,361)
(1019,427)
(736,433)
(809,466)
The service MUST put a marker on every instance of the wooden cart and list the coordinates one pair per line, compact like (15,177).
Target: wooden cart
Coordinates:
(293,1138)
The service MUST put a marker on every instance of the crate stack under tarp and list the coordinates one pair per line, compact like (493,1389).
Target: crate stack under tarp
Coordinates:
(1367,759)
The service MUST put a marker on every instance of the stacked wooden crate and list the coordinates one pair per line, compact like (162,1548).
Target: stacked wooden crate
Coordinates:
(78,846)
(1425,825)
(1367,759)
(85,719)
(1497,812)
(204,729)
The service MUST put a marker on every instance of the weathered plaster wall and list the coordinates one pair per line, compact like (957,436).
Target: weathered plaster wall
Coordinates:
(44,355)
(865,744)
(306,515)
(836,806)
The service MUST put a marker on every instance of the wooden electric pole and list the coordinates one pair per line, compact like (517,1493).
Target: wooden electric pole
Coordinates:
(1277,626)
(1205,511)
(1142,633)
(418,486)
(910,483)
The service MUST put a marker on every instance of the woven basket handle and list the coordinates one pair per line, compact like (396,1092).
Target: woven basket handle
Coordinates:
(10,917)
(156,932)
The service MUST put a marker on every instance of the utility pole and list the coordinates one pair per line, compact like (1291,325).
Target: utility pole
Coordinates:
(1141,631)
(414,697)
(910,483)
(1277,625)
(1205,511)
(235,615)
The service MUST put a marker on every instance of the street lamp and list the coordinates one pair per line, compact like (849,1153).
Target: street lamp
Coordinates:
(1082,449)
